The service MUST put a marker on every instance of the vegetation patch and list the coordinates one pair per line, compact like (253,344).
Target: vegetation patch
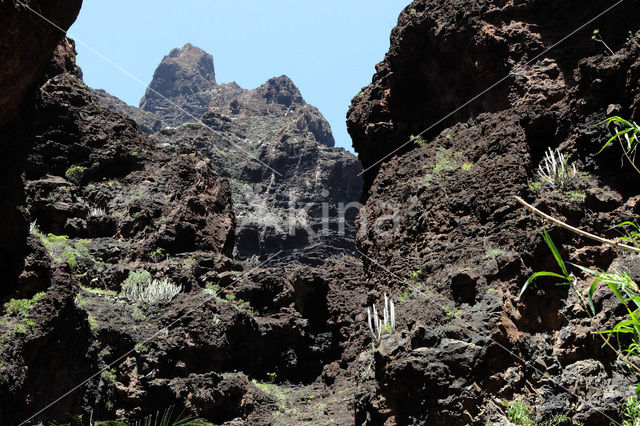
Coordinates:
(493,252)
(100,291)
(75,174)
(60,249)
(576,196)
(445,161)
(282,396)
(450,313)
(140,287)
(214,291)
(22,306)
(519,414)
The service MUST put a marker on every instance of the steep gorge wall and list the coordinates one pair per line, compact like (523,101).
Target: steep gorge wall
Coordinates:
(105,201)
(454,265)
(26,47)
(463,247)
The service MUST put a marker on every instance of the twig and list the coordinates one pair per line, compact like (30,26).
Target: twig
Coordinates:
(576,230)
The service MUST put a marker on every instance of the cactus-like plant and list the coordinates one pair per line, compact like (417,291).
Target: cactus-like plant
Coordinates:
(555,170)
(387,324)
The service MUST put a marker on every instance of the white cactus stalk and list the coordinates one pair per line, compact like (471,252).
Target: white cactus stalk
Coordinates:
(393,315)
(386,309)
(388,321)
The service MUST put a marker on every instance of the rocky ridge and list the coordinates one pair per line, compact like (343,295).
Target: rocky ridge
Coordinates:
(104,202)
(277,151)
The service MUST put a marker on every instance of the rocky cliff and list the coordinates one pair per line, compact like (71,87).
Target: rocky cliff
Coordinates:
(462,247)
(288,180)
(181,86)
(106,205)
(26,48)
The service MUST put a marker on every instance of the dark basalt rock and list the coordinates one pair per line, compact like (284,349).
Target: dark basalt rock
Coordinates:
(461,240)
(148,122)
(441,235)
(115,203)
(276,149)
(25,49)
(27,45)
(179,91)
(44,354)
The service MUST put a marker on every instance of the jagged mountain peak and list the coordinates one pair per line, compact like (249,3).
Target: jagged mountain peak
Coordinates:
(184,90)
(178,84)
(246,135)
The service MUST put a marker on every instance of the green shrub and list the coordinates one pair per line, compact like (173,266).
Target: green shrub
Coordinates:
(631,411)
(519,414)
(450,313)
(137,278)
(444,161)
(61,250)
(22,306)
(576,196)
(79,301)
(109,376)
(418,140)
(493,252)
(75,173)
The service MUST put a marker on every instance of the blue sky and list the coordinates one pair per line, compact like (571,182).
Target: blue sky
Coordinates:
(328,48)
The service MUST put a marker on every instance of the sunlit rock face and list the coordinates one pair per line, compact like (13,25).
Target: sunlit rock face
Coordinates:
(288,180)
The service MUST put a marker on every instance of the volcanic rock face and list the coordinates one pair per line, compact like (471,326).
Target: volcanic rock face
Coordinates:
(25,48)
(105,202)
(457,242)
(147,122)
(179,91)
(291,187)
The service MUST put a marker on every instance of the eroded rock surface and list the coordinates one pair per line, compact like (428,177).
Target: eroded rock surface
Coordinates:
(459,247)
(26,47)
(277,151)
(104,202)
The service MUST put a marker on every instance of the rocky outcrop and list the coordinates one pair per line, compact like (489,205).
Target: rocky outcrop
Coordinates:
(440,234)
(450,237)
(435,62)
(181,86)
(38,347)
(26,47)
(105,202)
(291,187)
(102,202)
